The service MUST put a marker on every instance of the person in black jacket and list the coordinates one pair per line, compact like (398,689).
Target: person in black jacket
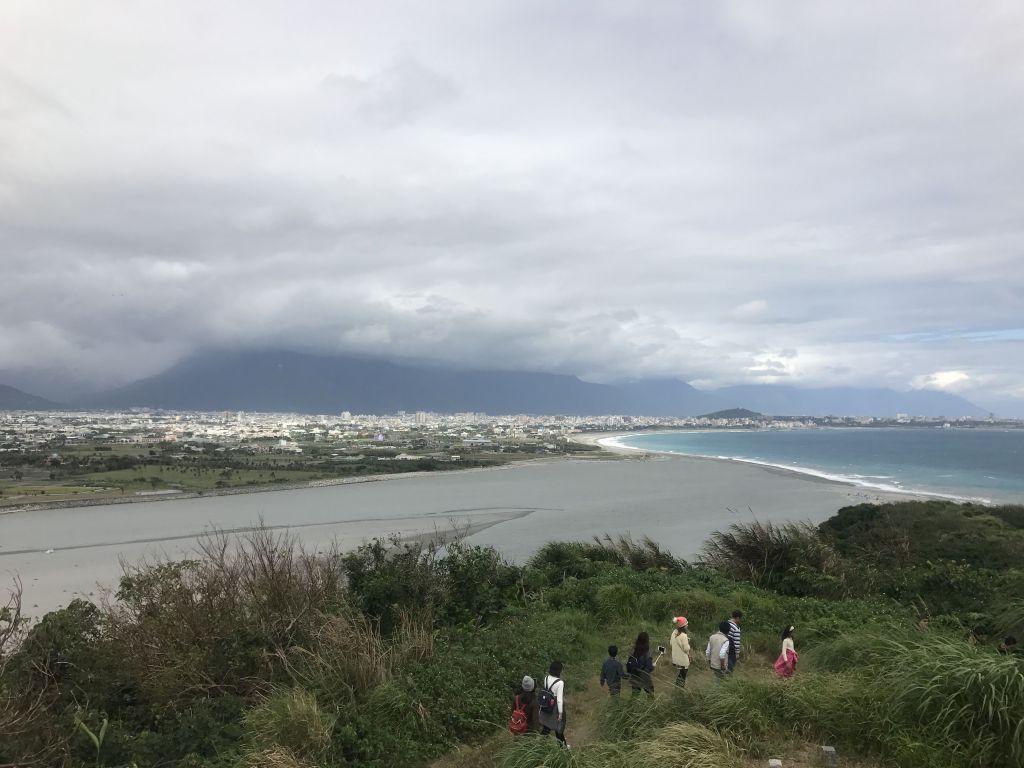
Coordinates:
(611,671)
(640,666)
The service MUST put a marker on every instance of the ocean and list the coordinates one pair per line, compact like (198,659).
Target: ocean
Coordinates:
(979,464)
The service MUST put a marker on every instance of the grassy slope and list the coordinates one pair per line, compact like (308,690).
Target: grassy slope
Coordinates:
(380,654)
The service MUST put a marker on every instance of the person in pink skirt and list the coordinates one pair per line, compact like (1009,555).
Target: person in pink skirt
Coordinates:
(785,665)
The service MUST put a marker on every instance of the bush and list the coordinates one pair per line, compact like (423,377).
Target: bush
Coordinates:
(478,584)
(616,601)
(793,559)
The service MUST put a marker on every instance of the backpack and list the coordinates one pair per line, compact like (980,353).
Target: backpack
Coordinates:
(547,700)
(518,723)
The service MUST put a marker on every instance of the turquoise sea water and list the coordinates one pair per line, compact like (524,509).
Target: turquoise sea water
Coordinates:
(972,463)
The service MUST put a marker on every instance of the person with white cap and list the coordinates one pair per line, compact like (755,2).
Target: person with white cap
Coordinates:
(680,645)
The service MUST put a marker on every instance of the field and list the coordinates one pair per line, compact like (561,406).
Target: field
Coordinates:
(103,471)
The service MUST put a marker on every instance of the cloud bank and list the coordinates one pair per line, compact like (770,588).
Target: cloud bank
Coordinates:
(726,192)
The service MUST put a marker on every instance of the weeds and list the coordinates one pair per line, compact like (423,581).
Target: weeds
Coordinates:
(289,719)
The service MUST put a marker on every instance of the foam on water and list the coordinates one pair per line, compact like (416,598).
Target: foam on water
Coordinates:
(901,479)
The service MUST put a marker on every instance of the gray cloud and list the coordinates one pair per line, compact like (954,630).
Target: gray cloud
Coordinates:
(724,192)
(396,96)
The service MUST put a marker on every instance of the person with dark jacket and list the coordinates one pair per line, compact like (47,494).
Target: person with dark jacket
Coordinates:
(526,697)
(640,666)
(612,672)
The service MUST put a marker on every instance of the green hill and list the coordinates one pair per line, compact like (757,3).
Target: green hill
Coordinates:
(260,654)
(733,413)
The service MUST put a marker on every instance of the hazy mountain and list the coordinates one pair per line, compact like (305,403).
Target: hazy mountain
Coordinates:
(12,399)
(778,400)
(291,381)
(304,383)
(665,397)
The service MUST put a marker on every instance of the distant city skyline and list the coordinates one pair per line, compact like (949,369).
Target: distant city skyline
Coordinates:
(727,193)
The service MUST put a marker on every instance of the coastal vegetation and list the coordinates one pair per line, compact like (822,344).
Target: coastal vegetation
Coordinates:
(70,473)
(259,653)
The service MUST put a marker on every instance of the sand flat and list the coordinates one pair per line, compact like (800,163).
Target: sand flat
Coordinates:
(676,500)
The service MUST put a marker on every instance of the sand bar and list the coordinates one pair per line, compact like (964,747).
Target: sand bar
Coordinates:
(64,553)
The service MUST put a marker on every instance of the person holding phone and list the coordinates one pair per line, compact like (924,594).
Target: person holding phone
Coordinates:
(640,666)
(680,645)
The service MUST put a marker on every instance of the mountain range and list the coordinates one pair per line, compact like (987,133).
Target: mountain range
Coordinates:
(12,399)
(284,381)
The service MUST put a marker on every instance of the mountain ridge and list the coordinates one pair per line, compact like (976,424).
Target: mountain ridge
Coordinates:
(13,399)
(286,381)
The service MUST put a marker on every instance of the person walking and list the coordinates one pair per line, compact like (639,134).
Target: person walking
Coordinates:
(551,703)
(679,643)
(612,672)
(734,639)
(640,666)
(717,652)
(524,708)
(785,665)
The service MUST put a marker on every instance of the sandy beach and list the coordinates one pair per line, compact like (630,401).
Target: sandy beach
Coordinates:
(59,554)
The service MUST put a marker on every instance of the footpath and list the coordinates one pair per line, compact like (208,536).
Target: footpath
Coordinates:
(587,704)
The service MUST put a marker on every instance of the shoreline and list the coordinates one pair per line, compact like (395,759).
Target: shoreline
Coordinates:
(610,441)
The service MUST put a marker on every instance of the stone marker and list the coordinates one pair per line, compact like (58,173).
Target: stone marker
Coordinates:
(775,763)
(829,757)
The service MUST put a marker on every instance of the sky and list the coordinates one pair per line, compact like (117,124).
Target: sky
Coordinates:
(726,192)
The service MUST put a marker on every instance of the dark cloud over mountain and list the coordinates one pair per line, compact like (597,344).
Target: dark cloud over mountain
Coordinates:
(729,192)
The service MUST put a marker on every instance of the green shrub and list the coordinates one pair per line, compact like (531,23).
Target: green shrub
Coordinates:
(615,601)
(698,605)
(478,583)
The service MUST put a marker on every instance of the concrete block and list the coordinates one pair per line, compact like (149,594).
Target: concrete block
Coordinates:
(774,763)
(829,758)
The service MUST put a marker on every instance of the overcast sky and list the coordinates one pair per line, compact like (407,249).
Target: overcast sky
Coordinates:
(810,193)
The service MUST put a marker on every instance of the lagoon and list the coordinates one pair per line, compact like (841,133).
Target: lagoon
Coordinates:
(60,554)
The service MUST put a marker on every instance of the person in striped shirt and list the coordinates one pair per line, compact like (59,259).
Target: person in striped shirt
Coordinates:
(734,639)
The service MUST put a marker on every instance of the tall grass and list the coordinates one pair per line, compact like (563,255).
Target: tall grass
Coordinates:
(292,720)
(923,702)
(581,559)
(792,558)
(680,745)
(347,656)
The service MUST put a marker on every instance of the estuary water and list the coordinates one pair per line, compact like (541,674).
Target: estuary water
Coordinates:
(984,464)
(61,554)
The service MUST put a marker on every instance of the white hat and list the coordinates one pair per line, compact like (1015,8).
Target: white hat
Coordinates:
(528,683)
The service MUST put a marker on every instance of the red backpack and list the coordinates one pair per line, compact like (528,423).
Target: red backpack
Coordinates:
(518,722)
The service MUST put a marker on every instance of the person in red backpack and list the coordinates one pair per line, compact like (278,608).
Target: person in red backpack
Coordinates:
(524,708)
